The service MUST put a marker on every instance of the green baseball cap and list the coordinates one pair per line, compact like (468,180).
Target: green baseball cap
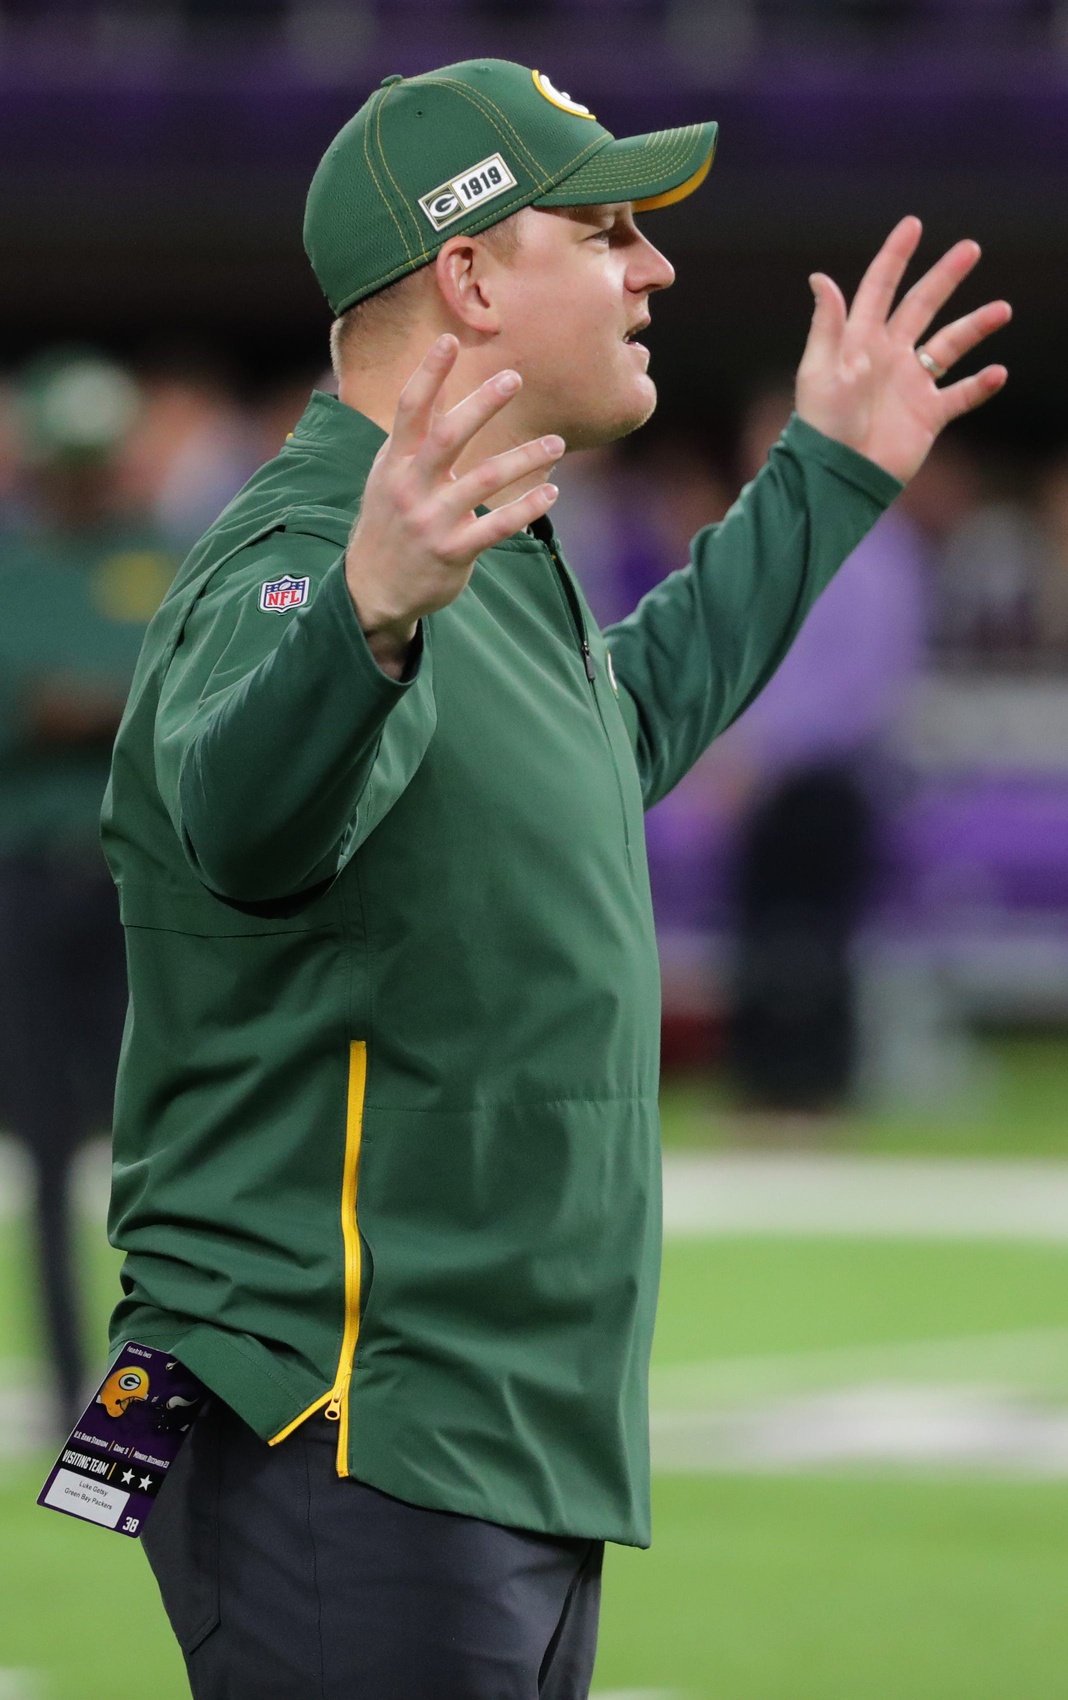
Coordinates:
(456,150)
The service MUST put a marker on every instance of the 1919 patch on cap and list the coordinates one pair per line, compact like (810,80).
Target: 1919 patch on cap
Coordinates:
(280,594)
(484,182)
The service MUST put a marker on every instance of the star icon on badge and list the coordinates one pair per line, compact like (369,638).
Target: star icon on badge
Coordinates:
(127,1475)
(146,1483)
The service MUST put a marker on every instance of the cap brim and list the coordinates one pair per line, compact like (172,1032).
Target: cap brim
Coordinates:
(652,171)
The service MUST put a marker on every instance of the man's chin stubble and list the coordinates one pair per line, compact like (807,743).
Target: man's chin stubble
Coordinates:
(597,434)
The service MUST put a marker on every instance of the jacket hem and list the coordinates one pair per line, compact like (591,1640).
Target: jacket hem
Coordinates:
(238,1370)
(429,1495)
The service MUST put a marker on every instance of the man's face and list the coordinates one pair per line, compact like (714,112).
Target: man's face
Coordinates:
(571,302)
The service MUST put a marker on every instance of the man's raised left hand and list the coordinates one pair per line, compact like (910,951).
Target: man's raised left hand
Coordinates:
(860,379)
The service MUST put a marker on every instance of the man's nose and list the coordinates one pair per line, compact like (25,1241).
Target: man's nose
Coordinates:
(651,269)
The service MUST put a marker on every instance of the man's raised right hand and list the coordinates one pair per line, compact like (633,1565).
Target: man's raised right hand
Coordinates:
(417,536)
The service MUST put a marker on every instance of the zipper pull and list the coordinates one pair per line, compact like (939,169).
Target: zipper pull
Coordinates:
(591,671)
(338,1398)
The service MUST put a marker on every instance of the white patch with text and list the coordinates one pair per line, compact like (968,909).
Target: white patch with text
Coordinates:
(462,194)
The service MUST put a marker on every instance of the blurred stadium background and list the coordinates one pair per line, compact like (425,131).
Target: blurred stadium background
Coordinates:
(861,1377)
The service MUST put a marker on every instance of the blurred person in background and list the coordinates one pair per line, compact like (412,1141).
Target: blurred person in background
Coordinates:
(1052,598)
(628,519)
(80,576)
(941,498)
(193,448)
(986,558)
(10,458)
(802,766)
(989,584)
(593,517)
(278,413)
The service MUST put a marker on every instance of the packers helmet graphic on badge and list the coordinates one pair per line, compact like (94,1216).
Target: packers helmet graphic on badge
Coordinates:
(122,1388)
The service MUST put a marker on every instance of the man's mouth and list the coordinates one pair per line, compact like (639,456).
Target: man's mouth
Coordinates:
(634,329)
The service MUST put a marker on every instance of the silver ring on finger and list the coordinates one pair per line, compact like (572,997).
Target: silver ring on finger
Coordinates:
(930,364)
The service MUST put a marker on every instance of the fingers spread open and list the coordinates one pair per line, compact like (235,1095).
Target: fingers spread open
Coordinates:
(451,433)
(952,342)
(501,470)
(828,318)
(877,288)
(933,290)
(415,404)
(492,528)
(970,393)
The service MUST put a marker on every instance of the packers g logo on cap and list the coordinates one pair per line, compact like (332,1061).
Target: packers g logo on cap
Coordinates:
(563,101)
(483,182)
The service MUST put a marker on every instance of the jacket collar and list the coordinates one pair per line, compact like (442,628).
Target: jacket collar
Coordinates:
(337,434)
(347,442)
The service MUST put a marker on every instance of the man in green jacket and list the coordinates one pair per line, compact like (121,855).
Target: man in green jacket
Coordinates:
(387,1162)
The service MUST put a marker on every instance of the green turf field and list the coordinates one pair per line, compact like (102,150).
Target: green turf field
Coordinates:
(1015,1107)
(851,1579)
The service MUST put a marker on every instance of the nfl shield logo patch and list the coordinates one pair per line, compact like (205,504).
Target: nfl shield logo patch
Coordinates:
(278,594)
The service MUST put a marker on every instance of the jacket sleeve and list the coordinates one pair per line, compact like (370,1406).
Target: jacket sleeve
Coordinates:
(269,724)
(702,644)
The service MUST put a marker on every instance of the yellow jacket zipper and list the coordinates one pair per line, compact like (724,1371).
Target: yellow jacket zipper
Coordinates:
(338,1408)
(335,1403)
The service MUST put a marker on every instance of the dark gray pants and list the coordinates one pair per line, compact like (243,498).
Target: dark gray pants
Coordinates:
(284,1582)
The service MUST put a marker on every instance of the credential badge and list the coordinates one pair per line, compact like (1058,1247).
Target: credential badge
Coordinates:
(279,594)
(484,182)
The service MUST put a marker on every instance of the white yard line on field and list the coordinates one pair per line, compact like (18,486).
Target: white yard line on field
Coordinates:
(994,1402)
(1034,1360)
(769,1193)
(26,1420)
(19,1684)
(930,1428)
(91,1182)
(824,1194)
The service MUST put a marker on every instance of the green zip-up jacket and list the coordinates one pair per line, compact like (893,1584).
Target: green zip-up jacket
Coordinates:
(386,1137)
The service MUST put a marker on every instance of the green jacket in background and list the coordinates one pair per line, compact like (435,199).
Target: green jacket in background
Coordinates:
(75,605)
(386,1136)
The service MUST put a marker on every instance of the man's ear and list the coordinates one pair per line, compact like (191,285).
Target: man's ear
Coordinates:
(466,277)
